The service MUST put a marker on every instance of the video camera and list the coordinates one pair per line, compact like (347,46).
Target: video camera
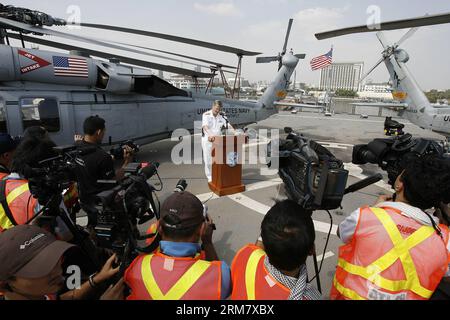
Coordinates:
(47,181)
(122,209)
(53,175)
(313,176)
(117,153)
(392,154)
(315,179)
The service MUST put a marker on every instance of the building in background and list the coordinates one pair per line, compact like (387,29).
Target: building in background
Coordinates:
(342,76)
(244,82)
(186,83)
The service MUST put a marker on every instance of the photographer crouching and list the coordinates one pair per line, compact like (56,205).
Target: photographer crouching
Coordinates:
(32,267)
(179,267)
(99,165)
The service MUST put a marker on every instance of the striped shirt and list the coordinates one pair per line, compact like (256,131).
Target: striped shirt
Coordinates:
(300,288)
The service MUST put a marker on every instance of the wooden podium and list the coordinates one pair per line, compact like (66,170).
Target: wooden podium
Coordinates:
(227,165)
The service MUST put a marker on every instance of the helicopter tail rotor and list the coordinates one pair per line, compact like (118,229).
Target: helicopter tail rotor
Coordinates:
(280,56)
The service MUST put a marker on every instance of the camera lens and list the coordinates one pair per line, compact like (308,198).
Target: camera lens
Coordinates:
(181,186)
(362,155)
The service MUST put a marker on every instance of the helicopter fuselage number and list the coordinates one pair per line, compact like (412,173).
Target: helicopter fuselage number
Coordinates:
(230,112)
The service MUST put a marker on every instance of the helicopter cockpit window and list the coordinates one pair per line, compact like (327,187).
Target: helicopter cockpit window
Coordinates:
(40,112)
(102,78)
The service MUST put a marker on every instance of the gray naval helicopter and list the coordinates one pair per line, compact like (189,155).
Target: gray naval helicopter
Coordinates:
(412,103)
(58,90)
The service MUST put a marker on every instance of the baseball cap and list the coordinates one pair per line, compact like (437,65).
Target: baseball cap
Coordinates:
(29,252)
(8,143)
(184,209)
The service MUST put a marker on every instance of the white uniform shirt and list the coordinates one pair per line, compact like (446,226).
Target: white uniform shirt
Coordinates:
(214,124)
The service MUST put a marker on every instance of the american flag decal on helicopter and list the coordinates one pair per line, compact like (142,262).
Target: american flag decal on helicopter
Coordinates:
(70,67)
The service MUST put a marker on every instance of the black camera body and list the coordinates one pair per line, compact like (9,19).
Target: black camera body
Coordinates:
(55,174)
(117,153)
(313,177)
(123,208)
(392,154)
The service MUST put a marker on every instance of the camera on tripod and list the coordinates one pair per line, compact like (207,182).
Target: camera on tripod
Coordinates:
(312,175)
(47,180)
(117,153)
(54,175)
(315,179)
(122,209)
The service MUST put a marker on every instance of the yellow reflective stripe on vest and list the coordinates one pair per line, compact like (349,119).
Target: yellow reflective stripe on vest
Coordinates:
(373,271)
(401,250)
(17,192)
(5,223)
(180,288)
(250,273)
(348,293)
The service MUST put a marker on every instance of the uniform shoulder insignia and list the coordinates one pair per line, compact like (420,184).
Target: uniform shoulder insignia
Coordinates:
(207,113)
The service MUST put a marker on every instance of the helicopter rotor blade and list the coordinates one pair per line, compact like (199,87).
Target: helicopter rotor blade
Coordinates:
(428,20)
(163,57)
(288,33)
(193,42)
(372,69)
(407,35)
(218,64)
(101,54)
(267,59)
(49,32)
(383,40)
(44,31)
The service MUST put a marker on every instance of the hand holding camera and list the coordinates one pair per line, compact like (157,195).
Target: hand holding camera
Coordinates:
(208,230)
(125,151)
(128,154)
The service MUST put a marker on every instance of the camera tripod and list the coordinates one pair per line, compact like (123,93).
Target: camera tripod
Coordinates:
(82,239)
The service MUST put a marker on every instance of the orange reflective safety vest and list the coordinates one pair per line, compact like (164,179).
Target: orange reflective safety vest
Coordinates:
(391,257)
(3,175)
(251,280)
(17,203)
(160,277)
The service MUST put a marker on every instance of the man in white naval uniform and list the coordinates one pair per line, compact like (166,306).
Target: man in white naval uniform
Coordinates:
(212,124)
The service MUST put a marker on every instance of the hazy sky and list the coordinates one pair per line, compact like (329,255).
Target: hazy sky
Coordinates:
(260,25)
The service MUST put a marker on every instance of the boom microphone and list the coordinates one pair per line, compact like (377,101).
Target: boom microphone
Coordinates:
(364,183)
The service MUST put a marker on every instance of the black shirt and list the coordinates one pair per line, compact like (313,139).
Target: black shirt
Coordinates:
(99,165)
